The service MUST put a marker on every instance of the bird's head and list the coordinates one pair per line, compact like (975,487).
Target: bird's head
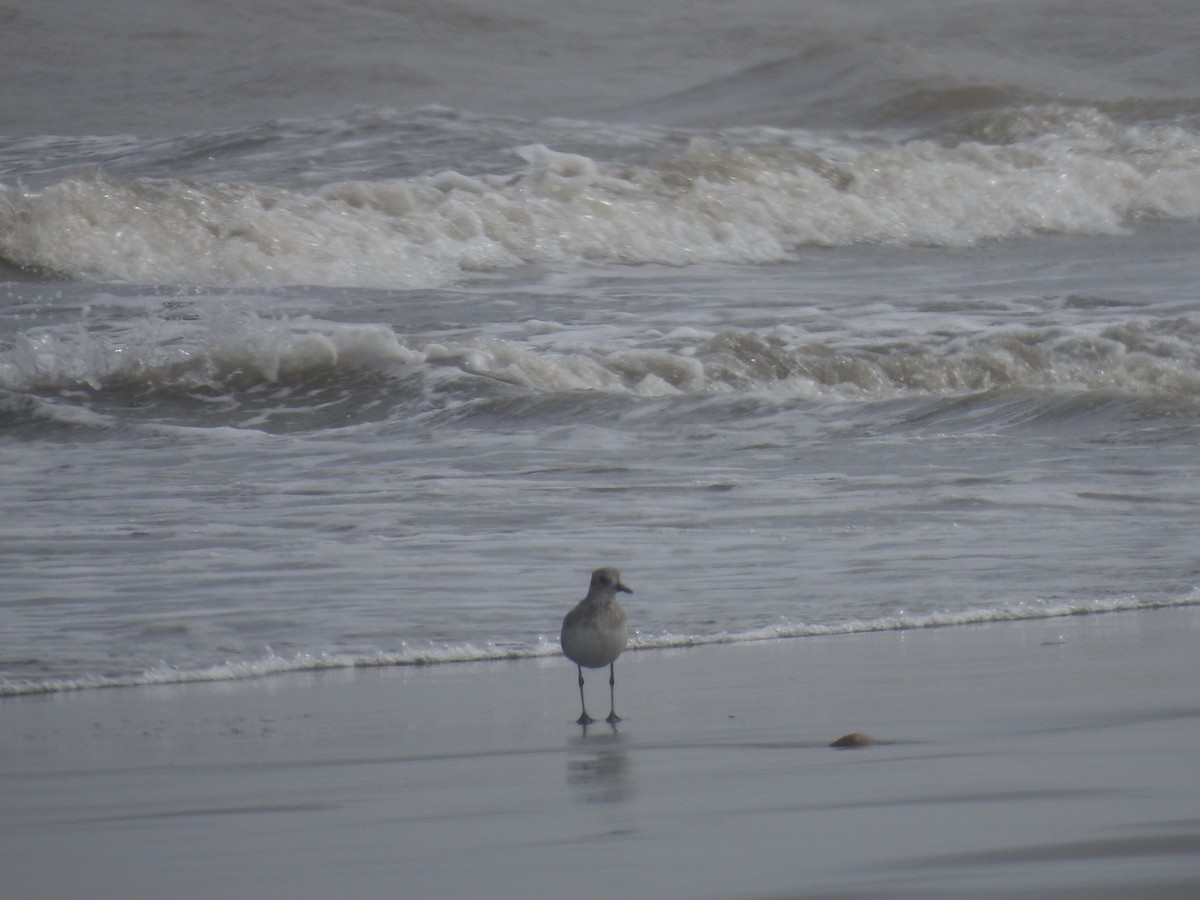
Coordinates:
(607,580)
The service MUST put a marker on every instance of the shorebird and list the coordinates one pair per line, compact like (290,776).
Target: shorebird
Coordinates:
(594,634)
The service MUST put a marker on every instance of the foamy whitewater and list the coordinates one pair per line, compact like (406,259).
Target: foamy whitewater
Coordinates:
(836,317)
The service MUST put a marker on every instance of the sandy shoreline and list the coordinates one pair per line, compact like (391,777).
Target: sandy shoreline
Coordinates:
(1050,758)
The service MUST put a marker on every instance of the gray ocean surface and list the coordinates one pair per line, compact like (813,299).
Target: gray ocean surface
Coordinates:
(354,334)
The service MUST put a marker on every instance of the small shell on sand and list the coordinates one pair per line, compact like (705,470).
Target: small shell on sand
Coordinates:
(854,739)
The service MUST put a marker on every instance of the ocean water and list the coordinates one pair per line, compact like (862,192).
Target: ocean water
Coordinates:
(359,333)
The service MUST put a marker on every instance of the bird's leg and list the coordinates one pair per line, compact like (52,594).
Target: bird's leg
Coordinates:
(613,718)
(584,718)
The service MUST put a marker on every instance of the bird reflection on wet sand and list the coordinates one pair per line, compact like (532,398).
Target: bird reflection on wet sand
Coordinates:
(599,769)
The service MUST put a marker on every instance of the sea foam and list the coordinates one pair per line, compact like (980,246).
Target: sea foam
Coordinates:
(431,654)
(750,196)
(230,348)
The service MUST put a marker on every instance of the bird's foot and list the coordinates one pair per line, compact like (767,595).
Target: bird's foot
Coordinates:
(613,718)
(584,719)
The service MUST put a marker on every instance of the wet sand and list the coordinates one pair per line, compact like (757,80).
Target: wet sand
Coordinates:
(1052,759)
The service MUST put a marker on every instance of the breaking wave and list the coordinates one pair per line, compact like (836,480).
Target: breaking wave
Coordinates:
(738,196)
(66,374)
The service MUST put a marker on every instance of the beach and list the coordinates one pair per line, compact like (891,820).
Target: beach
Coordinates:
(1051,758)
(341,341)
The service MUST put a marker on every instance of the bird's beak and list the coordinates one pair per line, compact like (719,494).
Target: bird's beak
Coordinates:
(624,590)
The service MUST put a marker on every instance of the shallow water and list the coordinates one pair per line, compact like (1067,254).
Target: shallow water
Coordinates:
(893,326)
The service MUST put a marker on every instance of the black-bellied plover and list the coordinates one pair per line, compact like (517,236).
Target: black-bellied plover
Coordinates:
(594,634)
